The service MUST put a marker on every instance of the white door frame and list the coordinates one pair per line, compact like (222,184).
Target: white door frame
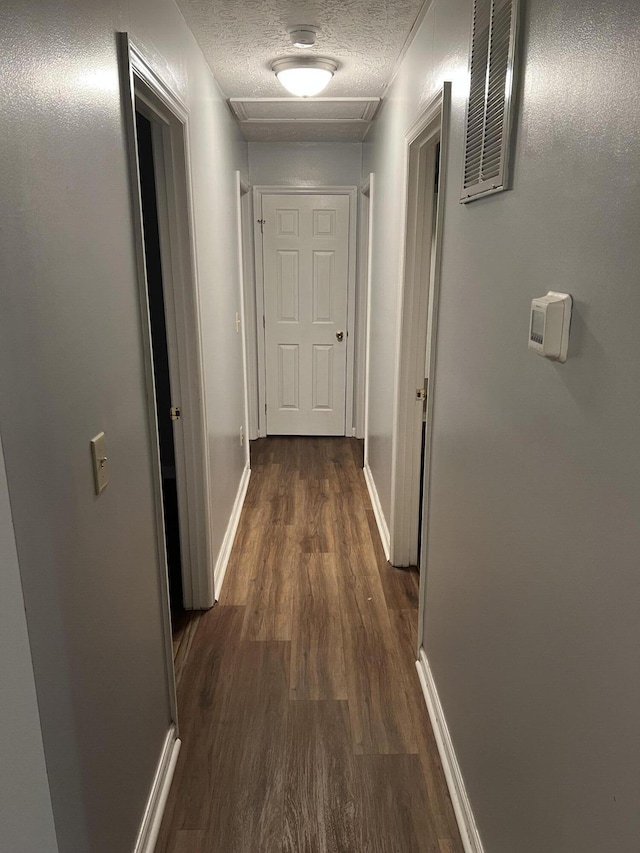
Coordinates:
(243,195)
(173,179)
(417,321)
(362,302)
(258,192)
(249,306)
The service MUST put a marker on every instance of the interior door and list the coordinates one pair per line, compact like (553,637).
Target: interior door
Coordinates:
(306,275)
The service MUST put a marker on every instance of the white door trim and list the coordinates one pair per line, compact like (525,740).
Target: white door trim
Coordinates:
(455,782)
(141,85)
(129,112)
(249,306)
(433,381)
(243,191)
(258,193)
(360,357)
(368,189)
(158,794)
(415,312)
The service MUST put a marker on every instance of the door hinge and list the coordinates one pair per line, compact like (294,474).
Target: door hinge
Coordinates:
(176,413)
(262,222)
(264,322)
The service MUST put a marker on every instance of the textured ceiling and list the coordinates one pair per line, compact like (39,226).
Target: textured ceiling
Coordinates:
(241,38)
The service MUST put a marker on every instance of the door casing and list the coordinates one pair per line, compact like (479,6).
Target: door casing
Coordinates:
(362,297)
(417,325)
(169,118)
(352,193)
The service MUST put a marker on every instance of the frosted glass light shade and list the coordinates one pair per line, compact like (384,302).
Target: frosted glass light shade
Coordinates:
(304,77)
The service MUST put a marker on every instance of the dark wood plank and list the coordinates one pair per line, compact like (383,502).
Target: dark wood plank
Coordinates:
(248,749)
(380,718)
(208,669)
(396,816)
(405,628)
(404,624)
(270,597)
(401,586)
(321,794)
(314,530)
(183,641)
(189,841)
(245,555)
(317,656)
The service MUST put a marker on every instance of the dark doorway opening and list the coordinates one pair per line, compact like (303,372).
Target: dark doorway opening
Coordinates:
(162,382)
(432,237)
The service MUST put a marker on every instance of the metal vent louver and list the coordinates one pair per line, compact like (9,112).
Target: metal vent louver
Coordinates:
(489,109)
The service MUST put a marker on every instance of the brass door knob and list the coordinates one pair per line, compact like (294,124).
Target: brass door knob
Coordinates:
(340,335)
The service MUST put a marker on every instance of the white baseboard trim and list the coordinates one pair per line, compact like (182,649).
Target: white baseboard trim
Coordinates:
(377,511)
(461,805)
(154,810)
(227,544)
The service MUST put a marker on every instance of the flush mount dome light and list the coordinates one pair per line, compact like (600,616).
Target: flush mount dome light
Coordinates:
(304,77)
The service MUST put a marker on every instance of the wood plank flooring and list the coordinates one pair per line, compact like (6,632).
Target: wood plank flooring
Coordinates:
(184,631)
(303,724)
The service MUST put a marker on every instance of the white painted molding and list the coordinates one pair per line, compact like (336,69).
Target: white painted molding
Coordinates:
(241,192)
(417,322)
(370,184)
(142,67)
(169,115)
(227,544)
(383,530)
(461,805)
(152,818)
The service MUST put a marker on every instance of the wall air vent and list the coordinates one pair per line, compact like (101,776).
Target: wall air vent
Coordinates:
(490,105)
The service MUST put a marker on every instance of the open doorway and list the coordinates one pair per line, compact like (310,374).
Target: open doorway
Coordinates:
(156,123)
(427,358)
(166,413)
(425,150)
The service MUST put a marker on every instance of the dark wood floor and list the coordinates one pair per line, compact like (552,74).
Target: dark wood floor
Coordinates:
(303,725)
(185,625)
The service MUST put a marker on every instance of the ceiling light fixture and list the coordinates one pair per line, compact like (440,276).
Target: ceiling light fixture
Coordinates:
(304,35)
(304,77)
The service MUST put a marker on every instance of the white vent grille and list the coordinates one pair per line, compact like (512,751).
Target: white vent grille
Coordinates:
(304,109)
(489,109)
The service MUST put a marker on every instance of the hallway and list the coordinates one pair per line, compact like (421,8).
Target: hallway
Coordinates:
(301,715)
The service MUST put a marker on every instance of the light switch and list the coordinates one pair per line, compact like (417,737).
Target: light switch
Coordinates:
(99,456)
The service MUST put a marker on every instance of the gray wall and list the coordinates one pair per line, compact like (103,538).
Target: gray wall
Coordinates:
(533,581)
(310,164)
(26,818)
(70,350)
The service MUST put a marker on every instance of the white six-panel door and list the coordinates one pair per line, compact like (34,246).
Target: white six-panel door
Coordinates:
(306,275)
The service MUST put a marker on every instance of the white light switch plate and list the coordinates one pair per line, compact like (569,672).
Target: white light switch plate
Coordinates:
(99,456)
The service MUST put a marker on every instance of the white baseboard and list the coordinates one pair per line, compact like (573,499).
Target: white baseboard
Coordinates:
(150,826)
(377,511)
(227,544)
(461,805)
